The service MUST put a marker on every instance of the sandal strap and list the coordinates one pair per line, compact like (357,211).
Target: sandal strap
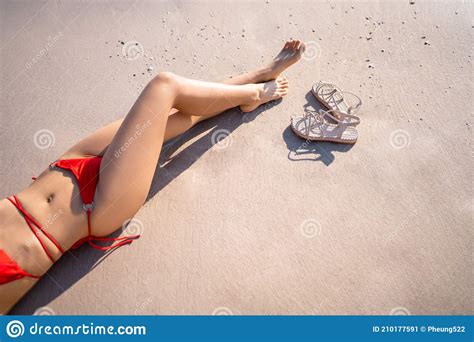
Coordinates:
(331,97)
(313,119)
(353,108)
(314,116)
(341,125)
(321,84)
(348,119)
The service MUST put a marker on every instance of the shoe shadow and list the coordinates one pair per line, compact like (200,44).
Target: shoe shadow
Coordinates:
(175,158)
(305,150)
(300,149)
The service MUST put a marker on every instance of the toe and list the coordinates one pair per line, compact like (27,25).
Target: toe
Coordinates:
(298,45)
(287,44)
(282,85)
(302,47)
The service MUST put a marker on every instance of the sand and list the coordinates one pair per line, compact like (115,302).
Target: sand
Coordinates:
(260,223)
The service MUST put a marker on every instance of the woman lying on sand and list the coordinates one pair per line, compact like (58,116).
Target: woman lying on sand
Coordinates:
(102,181)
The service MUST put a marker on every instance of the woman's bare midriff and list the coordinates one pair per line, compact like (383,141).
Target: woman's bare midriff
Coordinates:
(54,201)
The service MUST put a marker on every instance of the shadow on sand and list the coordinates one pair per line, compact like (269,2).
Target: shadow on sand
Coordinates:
(75,264)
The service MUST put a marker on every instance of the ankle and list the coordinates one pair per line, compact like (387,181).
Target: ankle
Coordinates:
(263,74)
(253,93)
(256,92)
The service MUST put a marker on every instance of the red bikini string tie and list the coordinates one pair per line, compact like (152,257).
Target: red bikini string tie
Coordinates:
(121,241)
(31,222)
(92,239)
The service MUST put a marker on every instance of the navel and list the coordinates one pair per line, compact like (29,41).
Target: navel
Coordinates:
(50,198)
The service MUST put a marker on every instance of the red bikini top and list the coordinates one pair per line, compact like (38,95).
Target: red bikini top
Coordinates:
(86,171)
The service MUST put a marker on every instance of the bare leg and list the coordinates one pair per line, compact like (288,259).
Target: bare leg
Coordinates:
(178,121)
(289,55)
(128,165)
(125,176)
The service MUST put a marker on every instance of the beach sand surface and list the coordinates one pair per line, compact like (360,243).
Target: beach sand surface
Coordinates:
(261,222)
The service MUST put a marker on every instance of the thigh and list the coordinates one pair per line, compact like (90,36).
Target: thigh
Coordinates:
(96,143)
(129,162)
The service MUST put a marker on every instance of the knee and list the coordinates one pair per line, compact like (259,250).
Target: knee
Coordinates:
(163,80)
(165,77)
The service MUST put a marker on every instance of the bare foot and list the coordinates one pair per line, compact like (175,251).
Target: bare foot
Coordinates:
(267,92)
(289,55)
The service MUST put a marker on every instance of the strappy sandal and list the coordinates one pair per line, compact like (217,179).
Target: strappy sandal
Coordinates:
(340,102)
(316,126)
